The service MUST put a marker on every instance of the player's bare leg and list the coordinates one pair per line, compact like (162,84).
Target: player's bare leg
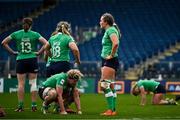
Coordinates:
(108,74)
(49,95)
(33,89)
(21,82)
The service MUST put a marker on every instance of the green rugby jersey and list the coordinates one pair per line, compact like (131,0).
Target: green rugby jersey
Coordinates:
(26,43)
(56,80)
(107,43)
(60,47)
(149,85)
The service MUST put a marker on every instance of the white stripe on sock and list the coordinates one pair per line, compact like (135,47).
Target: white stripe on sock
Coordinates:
(109,94)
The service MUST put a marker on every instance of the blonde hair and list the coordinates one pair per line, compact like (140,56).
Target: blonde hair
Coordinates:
(63,27)
(74,74)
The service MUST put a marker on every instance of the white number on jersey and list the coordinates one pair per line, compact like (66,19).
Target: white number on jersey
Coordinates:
(56,50)
(26,47)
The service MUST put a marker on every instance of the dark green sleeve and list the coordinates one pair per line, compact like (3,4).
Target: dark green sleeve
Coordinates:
(13,35)
(139,84)
(70,39)
(111,31)
(60,82)
(38,35)
(49,41)
(60,79)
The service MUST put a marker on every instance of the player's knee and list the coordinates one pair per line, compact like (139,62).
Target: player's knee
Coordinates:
(49,94)
(33,85)
(52,94)
(105,84)
(21,86)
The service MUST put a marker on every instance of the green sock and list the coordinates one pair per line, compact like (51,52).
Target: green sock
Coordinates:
(109,98)
(114,99)
(33,104)
(20,104)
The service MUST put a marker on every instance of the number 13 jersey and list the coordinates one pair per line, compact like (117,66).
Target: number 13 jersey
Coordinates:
(26,43)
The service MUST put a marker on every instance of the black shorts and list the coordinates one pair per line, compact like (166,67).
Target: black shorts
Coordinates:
(160,89)
(112,63)
(57,67)
(40,92)
(67,93)
(29,65)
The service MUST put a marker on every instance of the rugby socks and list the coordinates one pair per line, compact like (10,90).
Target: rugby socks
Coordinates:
(33,104)
(109,97)
(114,99)
(20,104)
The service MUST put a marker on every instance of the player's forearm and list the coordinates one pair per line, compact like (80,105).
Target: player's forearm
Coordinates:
(61,104)
(77,56)
(143,99)
(77,99)
(114,49)
(77,102)
(41,50)
(6,46)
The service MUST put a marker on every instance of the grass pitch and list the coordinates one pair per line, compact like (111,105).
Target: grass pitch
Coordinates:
(92,105)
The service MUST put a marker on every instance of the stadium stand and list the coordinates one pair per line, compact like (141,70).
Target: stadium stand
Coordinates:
(150,30)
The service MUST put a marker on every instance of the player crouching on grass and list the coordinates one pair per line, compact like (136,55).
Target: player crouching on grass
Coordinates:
(55,89)
(145,86)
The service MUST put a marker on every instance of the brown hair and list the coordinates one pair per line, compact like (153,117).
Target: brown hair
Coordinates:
(134,92)
(107,17)
(27,23)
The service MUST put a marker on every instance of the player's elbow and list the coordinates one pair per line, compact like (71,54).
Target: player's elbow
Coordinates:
(75,51)
(3,43)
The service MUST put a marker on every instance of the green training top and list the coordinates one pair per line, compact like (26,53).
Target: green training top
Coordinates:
(107,43)
(60,47)
(149,85)
(26,43)
(56,80)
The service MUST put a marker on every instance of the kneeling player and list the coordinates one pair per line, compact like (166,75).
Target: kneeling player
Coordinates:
(144,86)
(53,88)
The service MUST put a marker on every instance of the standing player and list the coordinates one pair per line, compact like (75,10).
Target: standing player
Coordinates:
(110,63)
(58,88)
(144,86)
(58,49)
(26,43)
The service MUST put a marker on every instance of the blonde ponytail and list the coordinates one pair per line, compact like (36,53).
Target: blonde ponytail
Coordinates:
(63,27)
(64,30)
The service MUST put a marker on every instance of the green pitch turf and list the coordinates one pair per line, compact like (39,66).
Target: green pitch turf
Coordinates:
(92,105)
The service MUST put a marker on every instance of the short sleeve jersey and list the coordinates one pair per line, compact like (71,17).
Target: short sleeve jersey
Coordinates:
(107,43)
(149,85)
(26,43)
(60,47)
(56,80)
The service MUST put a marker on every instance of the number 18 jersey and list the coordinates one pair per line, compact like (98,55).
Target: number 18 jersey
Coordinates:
(26,43)
(60,47)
